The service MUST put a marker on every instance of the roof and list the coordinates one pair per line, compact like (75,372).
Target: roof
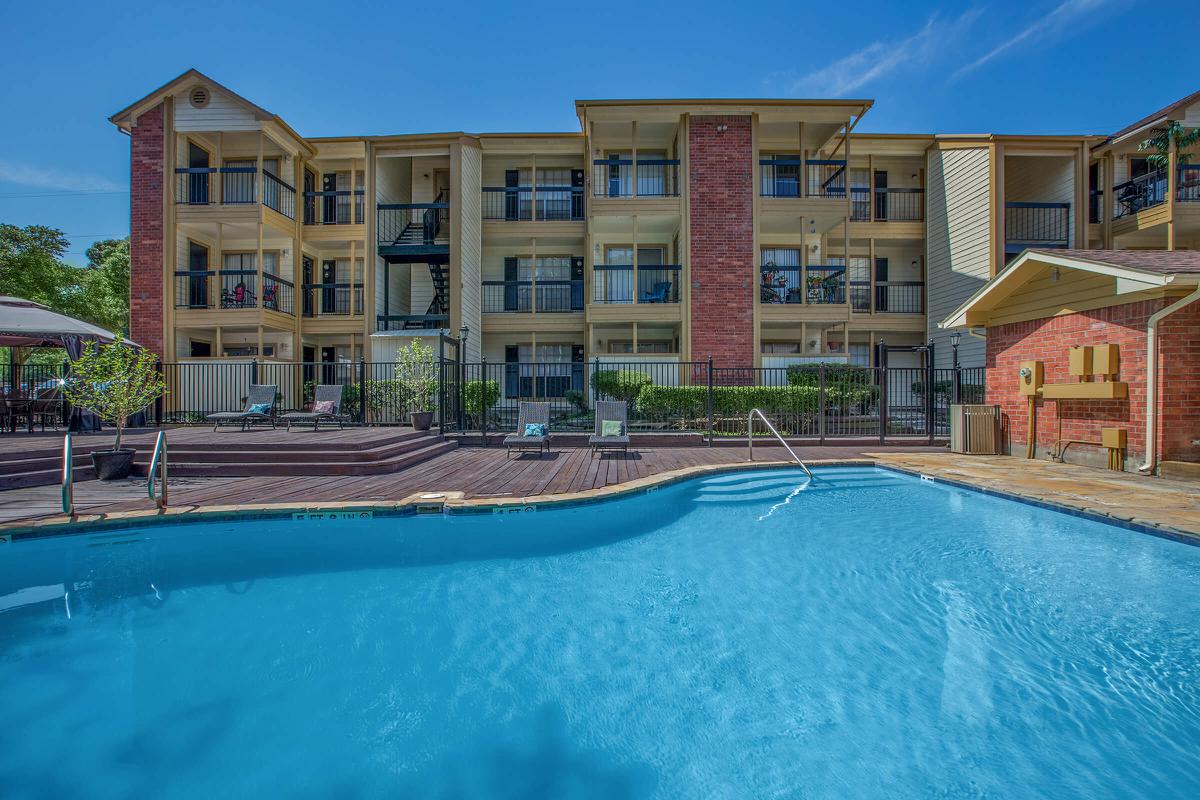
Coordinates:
(1134,270)
(24,323)
(727,101)
(1157,116)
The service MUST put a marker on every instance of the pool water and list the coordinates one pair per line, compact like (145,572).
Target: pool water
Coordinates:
(752,635)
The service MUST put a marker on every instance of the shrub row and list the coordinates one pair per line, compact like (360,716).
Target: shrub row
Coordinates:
(692,401)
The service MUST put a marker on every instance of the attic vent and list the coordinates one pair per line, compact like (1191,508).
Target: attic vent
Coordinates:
(199,97)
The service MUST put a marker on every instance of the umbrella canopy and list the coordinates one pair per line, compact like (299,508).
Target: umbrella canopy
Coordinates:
(24,323)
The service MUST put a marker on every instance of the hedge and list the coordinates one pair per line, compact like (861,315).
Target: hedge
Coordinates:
(845,384)
(692,401)
(620,384)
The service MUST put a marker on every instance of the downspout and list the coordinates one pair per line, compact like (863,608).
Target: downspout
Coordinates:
(1152,374)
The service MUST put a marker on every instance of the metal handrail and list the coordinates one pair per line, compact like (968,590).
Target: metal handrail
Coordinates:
(68,478)
(771,428)
(159,461)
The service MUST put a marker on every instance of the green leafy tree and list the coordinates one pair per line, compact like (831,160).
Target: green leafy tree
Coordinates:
(106,284)
(1160,143)
(478,398)
(114,381)
(417,373)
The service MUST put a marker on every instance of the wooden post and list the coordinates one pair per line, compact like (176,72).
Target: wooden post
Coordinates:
(1172,174)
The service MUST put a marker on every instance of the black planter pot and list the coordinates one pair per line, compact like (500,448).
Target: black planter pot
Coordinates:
(421,420)
(113,465)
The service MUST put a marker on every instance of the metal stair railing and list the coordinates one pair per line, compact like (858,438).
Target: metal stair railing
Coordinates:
(158,461)
(68,478)
(775,433)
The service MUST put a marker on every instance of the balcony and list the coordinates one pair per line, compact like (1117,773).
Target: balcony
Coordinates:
(825,285)
(533,203)
(782,176)
(194,290)
(1036,225)
(544,297)
(409,322)
(614,284)
(413,232)
(649,177)
(334,208)
(891,205)
(1143,192)
(331,299)
(233,186)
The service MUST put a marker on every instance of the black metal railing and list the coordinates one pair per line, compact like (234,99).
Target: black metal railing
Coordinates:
(278,196)
(824,285)
(900,297)
(334,208)
(1037,224)
(239,288)
(1187,183)
(544,296)
(786,177)
(202,186)
(192,288)
(523,203)
(1140,193)
(621,283)
(648,177)
(331,299)
(406,322)
(412,223)
(899,205)
(278,294)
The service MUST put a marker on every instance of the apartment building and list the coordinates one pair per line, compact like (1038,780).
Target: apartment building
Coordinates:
(754,232)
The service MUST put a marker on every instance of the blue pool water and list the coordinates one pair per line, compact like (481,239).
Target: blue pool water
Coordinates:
(744,636)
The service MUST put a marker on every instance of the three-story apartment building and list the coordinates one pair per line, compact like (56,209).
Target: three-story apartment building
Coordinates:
(754,232)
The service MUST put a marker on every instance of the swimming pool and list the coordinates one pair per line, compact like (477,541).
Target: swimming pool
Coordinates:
(747,635)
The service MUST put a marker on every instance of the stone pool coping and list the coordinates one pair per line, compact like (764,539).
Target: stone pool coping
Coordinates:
(954,473)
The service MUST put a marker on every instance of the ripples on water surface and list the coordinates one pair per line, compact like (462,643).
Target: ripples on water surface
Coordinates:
(743,636)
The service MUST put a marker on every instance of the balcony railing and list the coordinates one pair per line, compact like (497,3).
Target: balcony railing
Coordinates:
(649,177)
(524,203)
(1187,185)
(412,223)
(891,205)
(548,297)
(621,283)
(233,186)
(331,299)
(1037,224)
(786,177)
(826,285)
(238,290)
(1140,193)
(405,322)
(334,208)
(899,297)
(192,288)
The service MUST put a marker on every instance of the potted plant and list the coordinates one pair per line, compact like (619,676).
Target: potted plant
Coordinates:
(416,371)
(114,381)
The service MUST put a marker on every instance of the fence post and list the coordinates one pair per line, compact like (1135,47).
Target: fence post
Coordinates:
(821,402)
(362,390)
(158,401)
(883,402)
(253,371)
(441,382)
(709,401)
(930,403)
(592,381)
(483,410)
(957,384)
(462,391)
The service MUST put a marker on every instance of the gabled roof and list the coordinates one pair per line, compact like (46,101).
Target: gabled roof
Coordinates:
(1150,121)
(124,118)
(1134,270)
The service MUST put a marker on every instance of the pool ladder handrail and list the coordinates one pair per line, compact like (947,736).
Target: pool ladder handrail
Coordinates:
(158,461)
(775,433)
(68,478)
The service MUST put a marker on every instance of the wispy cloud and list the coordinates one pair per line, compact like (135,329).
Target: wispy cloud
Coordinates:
(1046,27)
(881,58)
(50,178)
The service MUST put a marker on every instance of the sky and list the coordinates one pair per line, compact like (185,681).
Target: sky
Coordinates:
(352,68)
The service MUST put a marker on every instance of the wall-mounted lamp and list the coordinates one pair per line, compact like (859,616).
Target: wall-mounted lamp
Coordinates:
(722,128)
(1054,275)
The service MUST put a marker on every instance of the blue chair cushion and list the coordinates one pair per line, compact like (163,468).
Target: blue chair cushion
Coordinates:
(534,429)
(259,408)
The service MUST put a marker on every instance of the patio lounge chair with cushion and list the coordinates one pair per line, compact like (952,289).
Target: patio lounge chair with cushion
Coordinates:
(658,294)
(260,407)
(611,429)
(327,407)
(533,429)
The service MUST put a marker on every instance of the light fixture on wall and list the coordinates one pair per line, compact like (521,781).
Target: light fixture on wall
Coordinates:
(722,128)
(1054,275)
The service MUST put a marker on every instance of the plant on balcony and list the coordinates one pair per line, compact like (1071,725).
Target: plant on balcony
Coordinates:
(619,384)
(1160,143)
(114,381)
(478,398)
(417,373)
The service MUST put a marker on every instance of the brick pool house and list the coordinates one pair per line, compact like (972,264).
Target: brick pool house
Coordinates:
(1047,302)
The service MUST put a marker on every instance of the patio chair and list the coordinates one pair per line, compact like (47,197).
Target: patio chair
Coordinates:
(327,407)
(261,395)
(658,294)
(612,414)
(530,414)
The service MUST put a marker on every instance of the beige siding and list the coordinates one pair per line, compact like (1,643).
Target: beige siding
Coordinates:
(959,241)
(471,252)
(222,113)
(1041,179)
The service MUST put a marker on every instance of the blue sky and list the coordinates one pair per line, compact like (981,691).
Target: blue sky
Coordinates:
(1045,66)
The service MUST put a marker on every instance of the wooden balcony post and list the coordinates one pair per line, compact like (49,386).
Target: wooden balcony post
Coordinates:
(1172,184)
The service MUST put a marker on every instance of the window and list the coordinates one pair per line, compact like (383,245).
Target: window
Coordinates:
(781,348)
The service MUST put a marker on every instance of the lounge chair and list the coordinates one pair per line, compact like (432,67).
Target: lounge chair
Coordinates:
(530,414)
(610,411)
(658,294)
(260,395)
(325,393)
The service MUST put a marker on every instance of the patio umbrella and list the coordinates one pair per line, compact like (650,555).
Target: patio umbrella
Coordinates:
(24,323)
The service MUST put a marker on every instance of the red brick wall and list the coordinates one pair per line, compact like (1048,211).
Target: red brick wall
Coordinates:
(721,196)
(146,235)
(1047,340)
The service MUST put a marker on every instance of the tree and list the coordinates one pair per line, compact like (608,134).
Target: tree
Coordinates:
(1160,143)
(114,381)
(106,284)
(417,373)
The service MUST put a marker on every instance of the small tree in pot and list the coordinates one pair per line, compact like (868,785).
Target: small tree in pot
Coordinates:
(417,373)
(114,381)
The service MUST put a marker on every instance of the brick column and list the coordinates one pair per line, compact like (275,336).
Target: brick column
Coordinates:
(721,219)
(146,234)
